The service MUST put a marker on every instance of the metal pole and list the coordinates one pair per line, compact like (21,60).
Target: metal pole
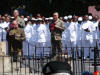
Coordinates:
(95,57)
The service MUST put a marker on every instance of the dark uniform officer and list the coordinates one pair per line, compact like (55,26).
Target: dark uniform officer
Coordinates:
(56,28)
(15,39)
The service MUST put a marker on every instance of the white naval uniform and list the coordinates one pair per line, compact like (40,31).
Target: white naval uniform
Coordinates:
(48,34)
(79,35)
(73,36)
(79,40)
(41,31)
(73,33)
(2,30)
(34,34)
(87,37)
(64,38)
(28,48)
(67,38)
(95,32)
(48,40)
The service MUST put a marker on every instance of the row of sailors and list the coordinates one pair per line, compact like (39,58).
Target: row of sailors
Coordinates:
(80,32)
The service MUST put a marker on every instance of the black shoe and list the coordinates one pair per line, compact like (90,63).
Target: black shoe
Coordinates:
(79,57)
(52,56)
(88,56)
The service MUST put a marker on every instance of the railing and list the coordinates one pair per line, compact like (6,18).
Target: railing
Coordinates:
(36,56)
(32,64)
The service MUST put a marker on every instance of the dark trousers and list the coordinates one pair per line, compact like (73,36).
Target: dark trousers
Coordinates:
(56,44)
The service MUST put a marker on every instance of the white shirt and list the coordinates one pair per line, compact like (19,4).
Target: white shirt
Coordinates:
(48,34)
(64,37)
(34,34)
(28,32)
(41,33)
(95,30)
(67,31)
(87,35)
(2,29)
(73,31)
(79,32)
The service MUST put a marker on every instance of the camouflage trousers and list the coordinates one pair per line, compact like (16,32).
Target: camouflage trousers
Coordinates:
(56,45)
(16,55)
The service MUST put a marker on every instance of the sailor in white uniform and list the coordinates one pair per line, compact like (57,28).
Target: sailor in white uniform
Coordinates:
(34,34)
(73,34)
(3,26)
(87,38)
(28,48)
(79,33)
(48,37)
(41,37)
(47,22)
(64,34)
(67,36)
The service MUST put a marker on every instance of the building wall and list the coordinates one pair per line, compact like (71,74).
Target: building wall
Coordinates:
(93,11)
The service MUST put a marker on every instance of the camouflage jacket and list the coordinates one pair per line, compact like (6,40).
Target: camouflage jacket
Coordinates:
(21,22)
(56,34)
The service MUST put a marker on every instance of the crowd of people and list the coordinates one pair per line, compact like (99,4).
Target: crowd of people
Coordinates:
(81,31)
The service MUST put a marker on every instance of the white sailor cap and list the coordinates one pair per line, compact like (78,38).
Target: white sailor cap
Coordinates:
(90,17)
(36,19)
(25,19)
(80,19)
(39,19)
(12,17)
(66,18)
(33,19)
(70,17)
(51,18)
(46,18)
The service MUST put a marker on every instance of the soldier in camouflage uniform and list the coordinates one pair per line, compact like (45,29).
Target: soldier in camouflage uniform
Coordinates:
(56,28)
(15,39)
